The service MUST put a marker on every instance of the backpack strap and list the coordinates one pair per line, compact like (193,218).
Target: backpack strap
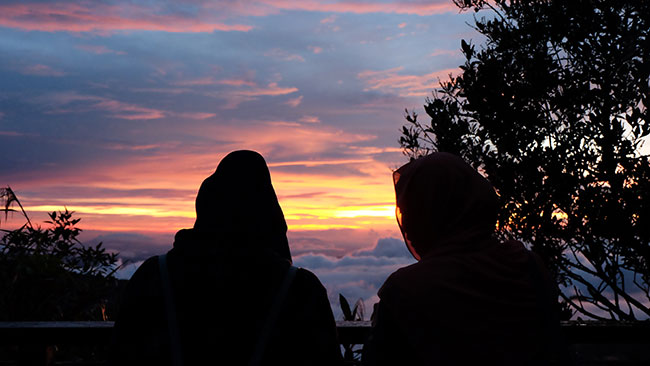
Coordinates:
(172,324)
(272,318)
(265,332)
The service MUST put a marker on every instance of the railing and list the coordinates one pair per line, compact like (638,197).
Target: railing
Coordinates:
(612,343)
(98,332)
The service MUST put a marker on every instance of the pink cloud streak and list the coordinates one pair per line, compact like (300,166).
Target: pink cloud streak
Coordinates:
(62,103)
(390,81)
(129,111)
(310,119)
(195,115)
(11,133)
(357,7)
(315,49)
(279,54)
(118,109)
(294,102)
(271,89)
(60,16)
(211,81)
(238,90)
(41,70)
(256,8)
(313,163)
(99,50)
(93,17)
(329,19)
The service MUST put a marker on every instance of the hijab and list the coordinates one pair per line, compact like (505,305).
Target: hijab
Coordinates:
(443,204)
(468,289)
(238,204)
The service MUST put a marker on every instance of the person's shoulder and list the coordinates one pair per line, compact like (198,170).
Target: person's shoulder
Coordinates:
(308,282)
(308,277)
(405,273)
(398,279)
(146,270)
(149,264)
(143,284)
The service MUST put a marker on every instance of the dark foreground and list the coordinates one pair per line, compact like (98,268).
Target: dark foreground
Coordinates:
(86,343)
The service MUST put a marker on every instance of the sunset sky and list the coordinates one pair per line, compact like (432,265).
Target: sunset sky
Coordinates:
(119,109)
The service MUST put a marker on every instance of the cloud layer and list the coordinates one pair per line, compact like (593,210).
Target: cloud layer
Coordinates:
(356,275)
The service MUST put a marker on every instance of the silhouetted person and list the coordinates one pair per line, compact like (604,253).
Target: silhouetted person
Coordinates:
(226,274)
(469,300)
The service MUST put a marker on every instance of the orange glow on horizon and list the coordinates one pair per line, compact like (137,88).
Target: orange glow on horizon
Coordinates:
(309,201)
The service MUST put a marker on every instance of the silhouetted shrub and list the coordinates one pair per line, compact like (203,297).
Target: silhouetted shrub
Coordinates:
(48,274)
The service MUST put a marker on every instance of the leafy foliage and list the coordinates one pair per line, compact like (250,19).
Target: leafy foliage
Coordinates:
(352,354)
(356,314)
(47,274)
(553,111)
(9,197)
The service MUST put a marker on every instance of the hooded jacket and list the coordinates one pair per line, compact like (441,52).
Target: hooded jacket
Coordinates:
(224,274)
(469,299)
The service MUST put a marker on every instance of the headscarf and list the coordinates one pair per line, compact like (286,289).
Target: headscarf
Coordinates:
(470,297)
(443,204)
(238,204)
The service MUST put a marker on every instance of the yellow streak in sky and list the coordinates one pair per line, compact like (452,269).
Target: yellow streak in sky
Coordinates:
(119,210)
(307,227)
(373,211)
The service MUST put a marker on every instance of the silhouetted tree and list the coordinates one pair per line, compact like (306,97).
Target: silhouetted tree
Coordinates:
(553,110)
(48,274)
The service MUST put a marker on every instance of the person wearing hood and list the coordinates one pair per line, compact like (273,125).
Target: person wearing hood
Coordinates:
(227,293)
(470,299)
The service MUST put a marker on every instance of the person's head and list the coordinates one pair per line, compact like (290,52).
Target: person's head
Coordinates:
(442,201)
(238,202)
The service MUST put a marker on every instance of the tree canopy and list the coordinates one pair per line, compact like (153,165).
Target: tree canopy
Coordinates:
(552,109)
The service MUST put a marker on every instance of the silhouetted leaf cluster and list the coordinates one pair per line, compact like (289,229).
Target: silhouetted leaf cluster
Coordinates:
(7,199)
(352,314)
(48,274)
(553,111)
(351,353)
